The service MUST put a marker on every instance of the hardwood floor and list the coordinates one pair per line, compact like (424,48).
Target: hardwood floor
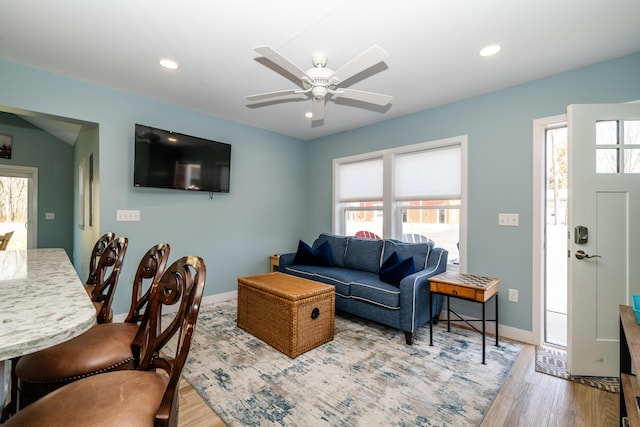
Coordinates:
(528,398)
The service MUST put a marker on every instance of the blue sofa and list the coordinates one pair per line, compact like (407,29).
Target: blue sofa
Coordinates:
(354,270)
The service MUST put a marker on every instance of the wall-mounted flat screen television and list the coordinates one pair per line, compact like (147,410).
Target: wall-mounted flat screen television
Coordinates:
(165,159)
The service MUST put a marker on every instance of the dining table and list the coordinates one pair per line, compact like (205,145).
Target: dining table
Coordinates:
(42,303)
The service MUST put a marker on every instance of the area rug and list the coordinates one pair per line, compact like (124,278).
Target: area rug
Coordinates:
(366,376)
(554,362)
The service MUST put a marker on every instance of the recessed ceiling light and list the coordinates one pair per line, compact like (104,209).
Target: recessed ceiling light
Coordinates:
(490,50)
(169,64)
(308,114)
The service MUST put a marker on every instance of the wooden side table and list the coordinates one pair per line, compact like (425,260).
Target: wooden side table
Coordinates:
(274,261)
(468,287)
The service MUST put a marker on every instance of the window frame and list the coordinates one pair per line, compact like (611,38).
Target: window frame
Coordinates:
(391,208)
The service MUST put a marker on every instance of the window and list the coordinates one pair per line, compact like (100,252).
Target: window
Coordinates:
(618,146)
(410,193)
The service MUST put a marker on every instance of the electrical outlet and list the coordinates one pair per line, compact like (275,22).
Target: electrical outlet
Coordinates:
(49,215)
(513,295)
(509,220)
(122,215)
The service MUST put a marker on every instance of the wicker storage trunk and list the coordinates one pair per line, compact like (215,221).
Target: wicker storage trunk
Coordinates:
(291,314)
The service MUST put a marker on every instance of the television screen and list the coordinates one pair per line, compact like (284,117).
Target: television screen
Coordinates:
(165,159)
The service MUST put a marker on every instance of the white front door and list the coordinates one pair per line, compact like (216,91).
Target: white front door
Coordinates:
(604,231)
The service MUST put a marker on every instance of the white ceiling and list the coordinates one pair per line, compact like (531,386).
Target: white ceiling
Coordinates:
(432,45)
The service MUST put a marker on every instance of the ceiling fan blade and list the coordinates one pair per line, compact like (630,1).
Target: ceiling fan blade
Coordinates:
(363,96)
(268,95)
(277,58)
(317,109)
(367,59)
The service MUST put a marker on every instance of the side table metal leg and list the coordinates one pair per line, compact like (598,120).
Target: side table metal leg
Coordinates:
(497,335)
(430,320)
(448,314)
(484,343)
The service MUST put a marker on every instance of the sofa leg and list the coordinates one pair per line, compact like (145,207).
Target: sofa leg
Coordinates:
(408,336)
(435,320)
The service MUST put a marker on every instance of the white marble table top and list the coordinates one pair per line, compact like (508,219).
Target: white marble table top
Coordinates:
(42,301)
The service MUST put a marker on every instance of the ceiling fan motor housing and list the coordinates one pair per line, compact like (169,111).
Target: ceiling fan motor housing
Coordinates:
(319,84)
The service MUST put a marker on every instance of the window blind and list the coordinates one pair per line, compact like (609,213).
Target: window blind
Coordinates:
(360,180)
(429,174)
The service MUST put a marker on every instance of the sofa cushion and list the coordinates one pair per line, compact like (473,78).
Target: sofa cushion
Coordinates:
(340,278)
(419,251)
(368,287)
(394,269)
(338,245)
(310,256)
(363,254)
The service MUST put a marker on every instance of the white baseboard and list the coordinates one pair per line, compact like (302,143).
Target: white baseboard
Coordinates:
(226,296)
(209,299)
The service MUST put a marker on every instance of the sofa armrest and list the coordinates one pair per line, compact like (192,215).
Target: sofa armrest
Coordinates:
(285,261)
(415,294)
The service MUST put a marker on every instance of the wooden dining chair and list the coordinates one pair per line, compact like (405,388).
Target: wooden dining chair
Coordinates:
(99,246)
(148,395)
(103,348)
(4,240)
(106,276)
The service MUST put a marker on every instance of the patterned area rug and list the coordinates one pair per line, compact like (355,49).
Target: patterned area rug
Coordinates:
(554,362)
(366,376)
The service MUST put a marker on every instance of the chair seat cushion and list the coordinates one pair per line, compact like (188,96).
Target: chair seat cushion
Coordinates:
(102,348)
(122,398)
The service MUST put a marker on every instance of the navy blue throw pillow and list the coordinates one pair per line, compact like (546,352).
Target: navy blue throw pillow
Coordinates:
(320,256)
(389,262)
(392,273)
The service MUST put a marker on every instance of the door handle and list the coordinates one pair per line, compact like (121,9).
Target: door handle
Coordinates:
(581,255)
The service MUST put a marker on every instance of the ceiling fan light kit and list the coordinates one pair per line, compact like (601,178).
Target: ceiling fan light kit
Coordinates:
(320,83)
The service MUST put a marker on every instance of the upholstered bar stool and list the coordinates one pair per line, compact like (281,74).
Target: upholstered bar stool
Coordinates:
(148,395)
(103,348)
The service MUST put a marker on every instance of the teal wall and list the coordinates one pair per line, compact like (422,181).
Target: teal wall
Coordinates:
(499,126)
(281,187)
(35,148)
(235,233)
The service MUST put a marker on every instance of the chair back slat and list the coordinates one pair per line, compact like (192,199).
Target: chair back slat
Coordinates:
(107,273)
(100,246)
(150,269)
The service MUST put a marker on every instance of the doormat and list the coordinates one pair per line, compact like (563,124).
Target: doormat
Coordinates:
(554,362)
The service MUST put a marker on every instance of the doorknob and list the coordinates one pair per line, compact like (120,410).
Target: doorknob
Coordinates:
(582,255)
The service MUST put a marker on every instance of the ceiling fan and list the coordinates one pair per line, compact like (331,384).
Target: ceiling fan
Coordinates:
(320,83)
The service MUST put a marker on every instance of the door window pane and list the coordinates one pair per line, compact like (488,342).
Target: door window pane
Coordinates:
(607,160)
(607,132)
(632,161)
(632,132)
